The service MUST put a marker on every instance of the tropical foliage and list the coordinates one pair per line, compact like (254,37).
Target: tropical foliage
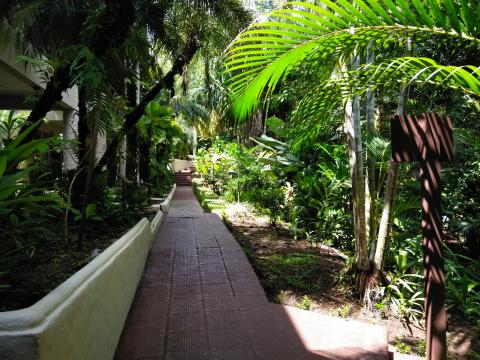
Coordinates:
(288,115)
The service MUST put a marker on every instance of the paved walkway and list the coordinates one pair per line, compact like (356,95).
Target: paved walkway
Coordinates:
(200,299)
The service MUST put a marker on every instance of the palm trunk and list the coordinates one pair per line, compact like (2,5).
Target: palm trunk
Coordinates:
(384,227)
(82,126)
(370,185)
(195,141)
(132,139)
(390,188)
(354,138)
(208,85)
(144,158)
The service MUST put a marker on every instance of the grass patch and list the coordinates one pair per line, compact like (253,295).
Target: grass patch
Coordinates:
(294,271)
(209,201)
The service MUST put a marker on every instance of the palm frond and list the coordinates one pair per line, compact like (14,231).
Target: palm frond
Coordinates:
(378,148)
(423,70)
(303,34)
(311,113)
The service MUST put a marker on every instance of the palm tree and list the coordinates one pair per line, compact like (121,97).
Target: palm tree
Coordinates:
(305,36)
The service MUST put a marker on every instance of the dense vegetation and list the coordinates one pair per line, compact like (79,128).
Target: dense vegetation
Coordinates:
(129,61)
(396,58)
(292,118)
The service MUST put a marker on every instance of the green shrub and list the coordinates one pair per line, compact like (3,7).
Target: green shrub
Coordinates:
(343,311)
(422,347)
(305,303)
(402,347)
(462,284)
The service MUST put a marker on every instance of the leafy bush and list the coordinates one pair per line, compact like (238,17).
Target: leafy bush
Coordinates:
(343,311)
(217,164)
(322,198)
(166,138)
(237,173)
(462,284)
(305,303)
(405,294)
(402,347)
(262,189)
(24,202)
(462,210)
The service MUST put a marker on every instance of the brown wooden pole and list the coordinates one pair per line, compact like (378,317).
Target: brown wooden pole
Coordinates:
(434,276)
(428,140)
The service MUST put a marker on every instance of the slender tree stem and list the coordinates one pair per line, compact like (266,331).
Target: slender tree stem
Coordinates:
(390,188)
(354,137)
(370,183)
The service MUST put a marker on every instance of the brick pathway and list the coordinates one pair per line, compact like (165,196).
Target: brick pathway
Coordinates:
(200,299)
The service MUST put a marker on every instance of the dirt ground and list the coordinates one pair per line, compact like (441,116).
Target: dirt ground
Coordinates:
(290,270)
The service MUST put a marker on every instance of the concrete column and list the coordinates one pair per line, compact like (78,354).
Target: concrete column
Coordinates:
(70,132)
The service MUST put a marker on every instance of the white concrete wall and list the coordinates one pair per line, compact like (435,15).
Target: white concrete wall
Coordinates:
(82,319)
(179,165)
(165,205)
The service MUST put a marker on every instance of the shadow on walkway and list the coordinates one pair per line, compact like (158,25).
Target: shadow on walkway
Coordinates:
(199,298)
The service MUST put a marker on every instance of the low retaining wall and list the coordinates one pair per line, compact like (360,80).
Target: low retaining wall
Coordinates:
(165,205)
(83,317)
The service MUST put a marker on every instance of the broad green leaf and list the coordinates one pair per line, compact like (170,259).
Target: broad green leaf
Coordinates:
(90,210)
(3,164)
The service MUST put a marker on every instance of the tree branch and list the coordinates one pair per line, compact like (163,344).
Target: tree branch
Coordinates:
(134,116)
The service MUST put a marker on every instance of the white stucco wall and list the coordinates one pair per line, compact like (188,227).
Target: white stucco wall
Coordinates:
(165,205)
(179,165)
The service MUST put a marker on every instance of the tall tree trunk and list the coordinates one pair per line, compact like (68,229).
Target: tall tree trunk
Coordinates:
(208,82)
(384,227)
(132,138)
(370,186)
(113,169)
(354,138)
(144,158)
(78,187)
(390,188)
(195,141)
(115,77)
(256,125)
(82,126)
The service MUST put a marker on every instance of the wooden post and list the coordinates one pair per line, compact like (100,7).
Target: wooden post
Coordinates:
(428,139)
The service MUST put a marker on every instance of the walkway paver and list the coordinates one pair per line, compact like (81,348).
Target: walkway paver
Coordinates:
(199,298)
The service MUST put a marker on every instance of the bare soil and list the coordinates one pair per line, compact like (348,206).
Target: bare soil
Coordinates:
(291,269)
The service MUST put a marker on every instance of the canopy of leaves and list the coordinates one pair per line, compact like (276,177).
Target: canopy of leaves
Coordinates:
(303,35)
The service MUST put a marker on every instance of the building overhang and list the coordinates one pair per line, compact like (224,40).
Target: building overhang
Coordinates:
(19,81)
